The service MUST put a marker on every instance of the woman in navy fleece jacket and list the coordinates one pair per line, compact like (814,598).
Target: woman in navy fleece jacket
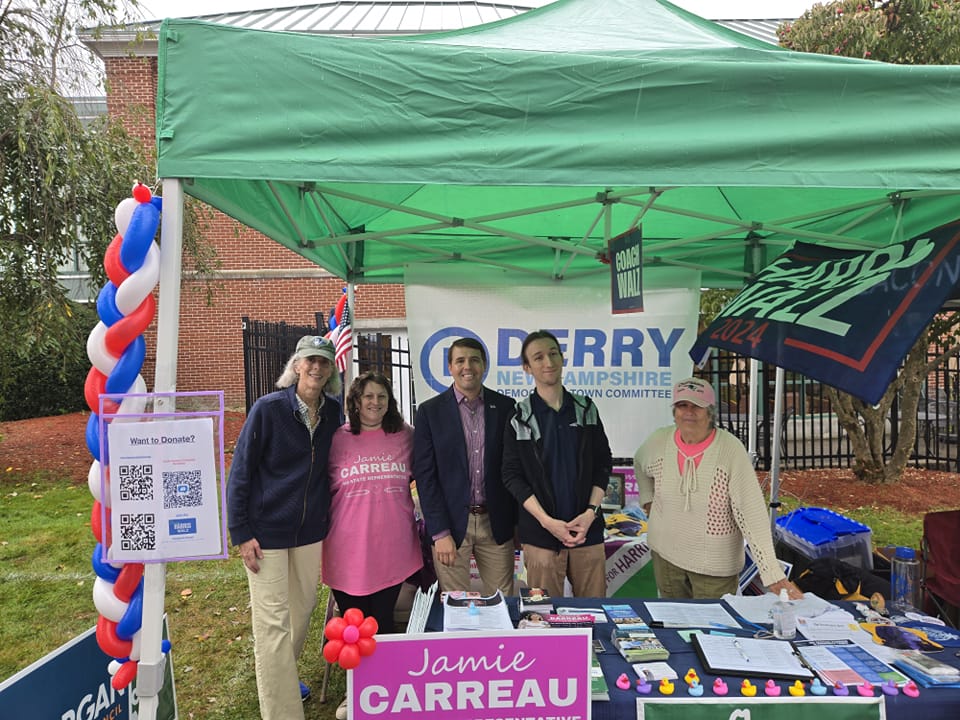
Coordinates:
(278,506)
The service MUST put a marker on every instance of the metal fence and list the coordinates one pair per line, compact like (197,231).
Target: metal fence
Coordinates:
(390,356)
(267,345)
(266,348)
(810,431)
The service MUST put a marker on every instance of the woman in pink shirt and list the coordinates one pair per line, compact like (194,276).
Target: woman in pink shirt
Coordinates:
(373,545)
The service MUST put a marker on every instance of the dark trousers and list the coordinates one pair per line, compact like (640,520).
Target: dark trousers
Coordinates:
(379,605)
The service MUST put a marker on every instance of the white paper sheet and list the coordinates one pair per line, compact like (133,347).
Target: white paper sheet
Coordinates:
(756,608)
(481,613)
(690,615)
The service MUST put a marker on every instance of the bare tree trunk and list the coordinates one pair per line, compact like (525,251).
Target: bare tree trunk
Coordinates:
(865,424)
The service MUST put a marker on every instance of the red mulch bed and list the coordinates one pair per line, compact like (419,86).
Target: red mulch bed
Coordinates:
(56,444)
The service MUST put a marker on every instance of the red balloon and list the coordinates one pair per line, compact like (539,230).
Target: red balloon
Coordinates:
(97,527)
(349,657)
(128,579)
(108,640)
(126,329)
(331,650)
(334,628)
(338,310)
(112,263)
(141,193)
(125,673)
(369,627)
(353,616)
(94,386)
(366,645)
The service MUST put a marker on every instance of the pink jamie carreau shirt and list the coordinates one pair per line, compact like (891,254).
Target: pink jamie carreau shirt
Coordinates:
(373,542)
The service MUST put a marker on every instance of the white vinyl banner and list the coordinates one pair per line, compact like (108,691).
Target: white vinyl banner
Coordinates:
(626,363)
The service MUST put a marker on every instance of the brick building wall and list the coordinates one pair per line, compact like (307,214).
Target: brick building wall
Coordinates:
(258,278)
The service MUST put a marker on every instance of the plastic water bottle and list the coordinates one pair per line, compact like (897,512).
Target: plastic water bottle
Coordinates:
(784,617)
(905,580)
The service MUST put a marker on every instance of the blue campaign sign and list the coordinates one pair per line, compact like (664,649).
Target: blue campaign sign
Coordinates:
(846,318)
(626,272)
(72,683)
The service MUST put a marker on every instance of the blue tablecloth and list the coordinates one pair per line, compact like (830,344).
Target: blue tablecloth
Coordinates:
(933,703)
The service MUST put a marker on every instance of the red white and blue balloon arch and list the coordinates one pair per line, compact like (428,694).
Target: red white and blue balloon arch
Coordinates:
(116,349)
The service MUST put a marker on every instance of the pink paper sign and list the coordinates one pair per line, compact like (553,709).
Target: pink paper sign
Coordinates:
(474,676)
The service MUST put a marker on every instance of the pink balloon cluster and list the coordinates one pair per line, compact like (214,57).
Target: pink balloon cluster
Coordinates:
(116,349)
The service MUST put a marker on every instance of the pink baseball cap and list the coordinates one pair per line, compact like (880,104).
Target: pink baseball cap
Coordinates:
(694,390)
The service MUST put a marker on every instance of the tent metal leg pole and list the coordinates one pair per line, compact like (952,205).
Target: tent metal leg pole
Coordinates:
(348,373)
(753,398)
(151,667)
(775,444)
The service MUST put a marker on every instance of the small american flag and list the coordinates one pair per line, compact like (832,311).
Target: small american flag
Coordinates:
(344,339)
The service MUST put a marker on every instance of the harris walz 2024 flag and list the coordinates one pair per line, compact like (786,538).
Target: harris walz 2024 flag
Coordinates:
(845,318)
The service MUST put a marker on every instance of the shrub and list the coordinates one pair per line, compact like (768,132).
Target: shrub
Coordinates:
(48,384)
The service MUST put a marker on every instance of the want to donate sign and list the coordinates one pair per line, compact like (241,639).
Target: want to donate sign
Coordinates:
(474,676)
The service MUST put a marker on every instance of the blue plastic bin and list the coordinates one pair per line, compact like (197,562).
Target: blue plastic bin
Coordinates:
(819,532)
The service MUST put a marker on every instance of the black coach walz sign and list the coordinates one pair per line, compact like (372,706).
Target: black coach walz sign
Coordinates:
(626,272)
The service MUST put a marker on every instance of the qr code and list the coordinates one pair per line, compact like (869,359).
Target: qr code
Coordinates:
(182,489)
(136,482)
(138,531)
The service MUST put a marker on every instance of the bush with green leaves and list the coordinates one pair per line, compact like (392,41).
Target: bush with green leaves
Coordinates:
(47,382)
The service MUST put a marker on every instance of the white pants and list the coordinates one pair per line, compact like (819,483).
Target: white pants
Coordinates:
(283,596)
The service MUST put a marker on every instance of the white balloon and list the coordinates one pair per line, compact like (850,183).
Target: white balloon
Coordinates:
(108,604)
(113,666)
(138,285)
(93,480)
(135,645)
(133,405)
(123,213)
(100,358)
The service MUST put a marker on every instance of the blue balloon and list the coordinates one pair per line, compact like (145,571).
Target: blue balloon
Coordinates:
(133,617)
(332,322)
(157,202)
(107,305)
(139,236)
(124,373)
(165,646)
(93,435)
(103,569)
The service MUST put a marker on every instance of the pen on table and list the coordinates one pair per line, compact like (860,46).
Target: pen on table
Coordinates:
(753,625)
(739,647)
(682,625)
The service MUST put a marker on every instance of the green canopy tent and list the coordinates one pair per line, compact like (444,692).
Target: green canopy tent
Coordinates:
(525,144)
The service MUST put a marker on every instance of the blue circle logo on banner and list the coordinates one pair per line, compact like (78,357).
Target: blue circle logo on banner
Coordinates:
(434,342)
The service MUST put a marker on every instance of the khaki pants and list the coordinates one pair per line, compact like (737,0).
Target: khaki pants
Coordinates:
(584,566)
(283,596)
(675,582)
(494,561)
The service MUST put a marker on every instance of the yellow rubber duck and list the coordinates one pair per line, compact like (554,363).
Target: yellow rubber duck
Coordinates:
(666,687)
(691,676)
(797,689)
(748,689)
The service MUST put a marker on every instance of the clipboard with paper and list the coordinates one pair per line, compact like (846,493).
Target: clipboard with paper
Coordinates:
(728,655)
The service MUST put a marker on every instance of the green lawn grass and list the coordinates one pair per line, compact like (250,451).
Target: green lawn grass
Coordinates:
(46,599)
(46,585)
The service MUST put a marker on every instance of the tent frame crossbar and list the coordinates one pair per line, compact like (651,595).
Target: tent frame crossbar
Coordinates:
(783,231)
